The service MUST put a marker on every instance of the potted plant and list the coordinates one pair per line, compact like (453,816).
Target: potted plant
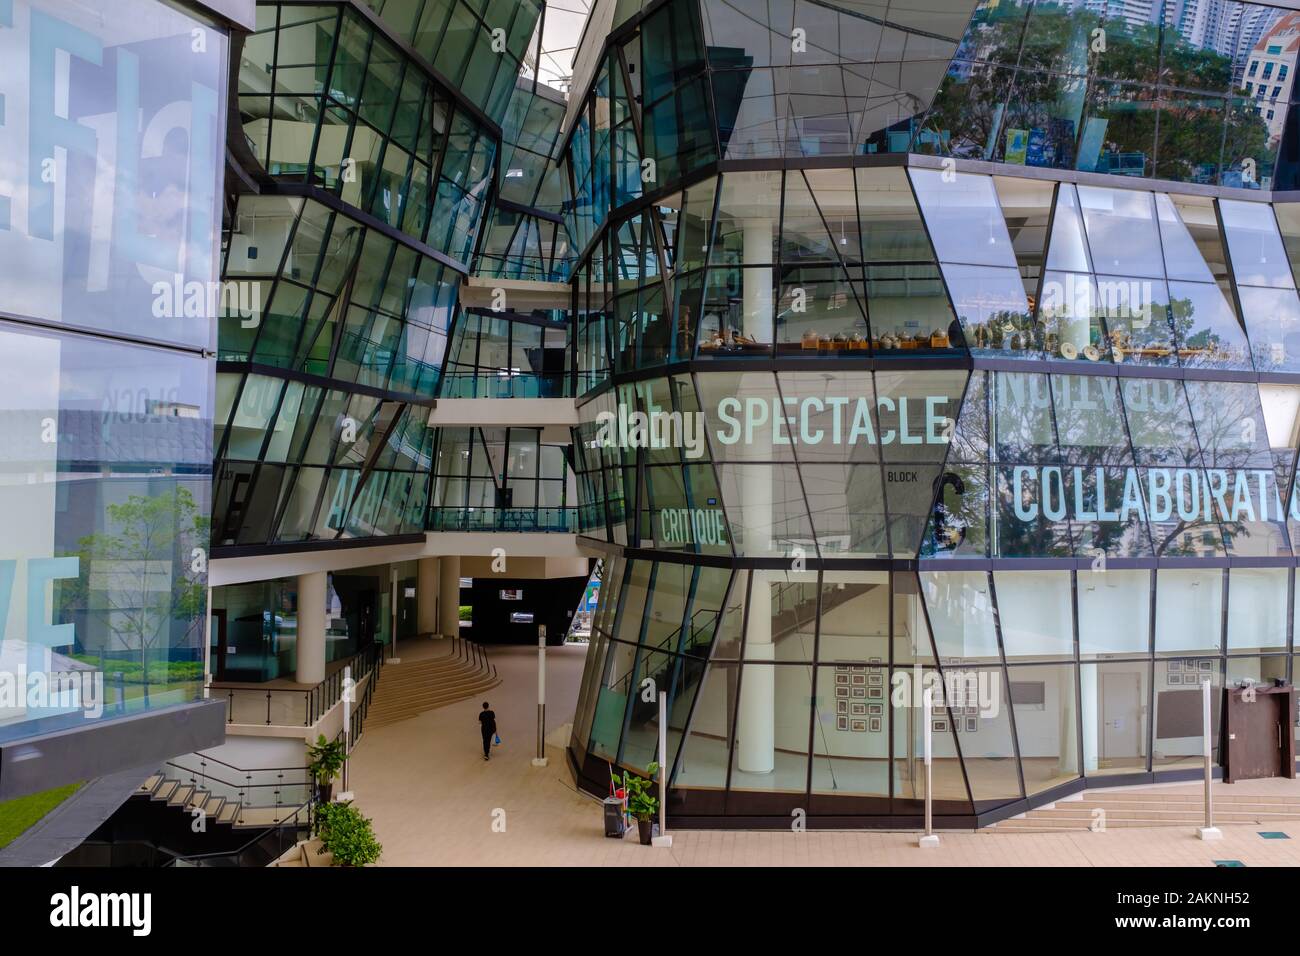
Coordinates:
(640,803)
(346,834)
(326,760)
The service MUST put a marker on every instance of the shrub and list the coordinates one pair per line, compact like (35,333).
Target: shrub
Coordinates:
(344,832)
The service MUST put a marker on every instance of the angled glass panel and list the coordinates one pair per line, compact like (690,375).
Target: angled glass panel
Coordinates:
(1258,607)
(1034,609)
(1122,232)
(1043,700)
(1114,613)
(994,311)
(1179,722)
(1258,256)
(964,217)
(1206,327)
(961,615)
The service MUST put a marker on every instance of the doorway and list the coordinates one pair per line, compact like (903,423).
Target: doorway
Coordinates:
(1121,716)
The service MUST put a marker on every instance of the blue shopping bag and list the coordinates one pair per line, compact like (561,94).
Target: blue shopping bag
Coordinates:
(497,741)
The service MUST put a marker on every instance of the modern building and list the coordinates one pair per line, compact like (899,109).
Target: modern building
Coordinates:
(866,349)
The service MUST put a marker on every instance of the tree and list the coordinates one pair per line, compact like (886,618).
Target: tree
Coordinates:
(141,572)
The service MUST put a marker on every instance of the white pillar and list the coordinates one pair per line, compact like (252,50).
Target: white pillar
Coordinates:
(426,596)
(449,595)
(311,628)
(757,283)
(1091,710)
(756,720)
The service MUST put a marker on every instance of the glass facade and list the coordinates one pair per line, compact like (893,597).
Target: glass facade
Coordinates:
(855,427)
(112,134)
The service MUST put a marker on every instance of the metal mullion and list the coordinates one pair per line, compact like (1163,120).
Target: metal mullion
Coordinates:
(638,658)
(938,669)
(812,692)
(1006,676)
(708,670)
(1078,674)
(740,686)
(889,673)
(325,98)
(1154,596)
(794,460)
(275,66)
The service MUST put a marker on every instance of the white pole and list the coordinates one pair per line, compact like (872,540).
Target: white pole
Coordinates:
(347,729)
(931,839)
(392,618)
(663,839)
(540,759)
(1209,831)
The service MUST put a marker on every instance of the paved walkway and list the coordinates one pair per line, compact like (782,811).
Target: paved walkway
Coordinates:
(436,802)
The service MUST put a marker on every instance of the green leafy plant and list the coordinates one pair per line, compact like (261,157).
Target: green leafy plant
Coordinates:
(640,803)
(344,832)
(326,759)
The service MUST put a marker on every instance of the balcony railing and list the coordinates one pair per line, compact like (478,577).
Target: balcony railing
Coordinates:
(561,520)
(293,707)
(505,383)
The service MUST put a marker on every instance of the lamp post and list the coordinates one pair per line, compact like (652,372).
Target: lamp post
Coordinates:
(930,840)
(1209,831)
(540,759)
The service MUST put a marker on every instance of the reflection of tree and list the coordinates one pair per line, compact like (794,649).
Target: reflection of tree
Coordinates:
(137,575)
(1061,44)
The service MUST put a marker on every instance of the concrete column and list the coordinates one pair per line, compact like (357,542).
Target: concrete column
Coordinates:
(1090,708)
(756,720)
(757,283)
(311,628)
(426,596)
(449,595)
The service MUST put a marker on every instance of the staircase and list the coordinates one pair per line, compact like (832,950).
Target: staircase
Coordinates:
(416,686)
(1154,807)
(228,795)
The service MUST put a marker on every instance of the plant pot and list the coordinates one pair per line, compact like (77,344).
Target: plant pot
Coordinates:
(324,791)
(645,829)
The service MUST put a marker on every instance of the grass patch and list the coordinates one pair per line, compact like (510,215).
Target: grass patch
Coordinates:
(16,816)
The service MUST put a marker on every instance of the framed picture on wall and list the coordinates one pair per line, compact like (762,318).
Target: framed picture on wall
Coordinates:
(859,692)
(841,723)
(876,710)
(841,707)
(874,660)
(972,724)
(876,679)
(875,693)
(841,678)
(939,725)
(859,726)
(841,692)
(1178,678)
(860,679)
(1206,667)
(875,725)
(858,669)
(1175,667)
(858,709)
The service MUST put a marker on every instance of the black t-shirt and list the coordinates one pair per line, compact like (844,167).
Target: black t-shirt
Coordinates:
(487,722)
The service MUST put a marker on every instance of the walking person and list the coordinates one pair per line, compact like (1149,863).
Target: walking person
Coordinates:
(487,720)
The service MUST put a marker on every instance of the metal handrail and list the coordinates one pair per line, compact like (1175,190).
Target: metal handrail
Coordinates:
(276,828)
(317,700)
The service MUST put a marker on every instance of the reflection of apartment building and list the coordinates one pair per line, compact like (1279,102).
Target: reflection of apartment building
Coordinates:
(1270,72)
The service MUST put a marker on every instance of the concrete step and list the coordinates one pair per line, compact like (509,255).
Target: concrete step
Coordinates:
(165,789)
